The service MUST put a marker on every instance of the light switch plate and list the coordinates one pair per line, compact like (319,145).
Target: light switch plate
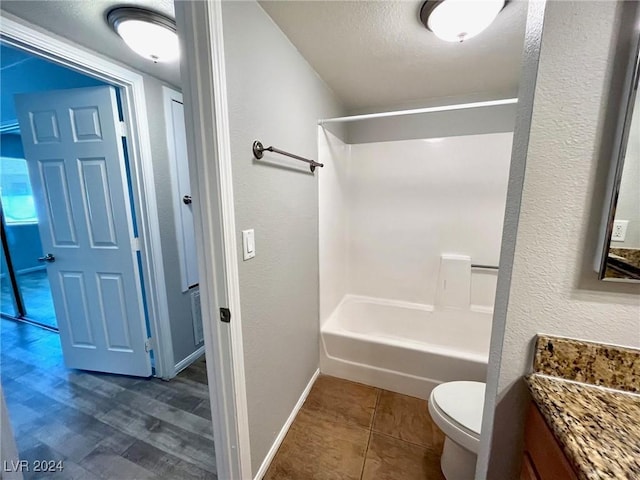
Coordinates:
(248,244)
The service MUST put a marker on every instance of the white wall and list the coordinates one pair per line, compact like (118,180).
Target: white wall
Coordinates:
(628,207)
(400,205)
(413,200)
(333,195)
(276,97)
(473,121)
(553,288)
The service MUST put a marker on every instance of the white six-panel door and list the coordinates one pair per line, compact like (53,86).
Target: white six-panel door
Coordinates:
(77,169)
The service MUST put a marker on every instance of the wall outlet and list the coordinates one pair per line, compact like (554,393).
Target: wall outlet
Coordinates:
(619,232)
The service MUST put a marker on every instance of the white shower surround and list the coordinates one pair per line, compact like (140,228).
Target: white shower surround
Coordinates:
(388,211)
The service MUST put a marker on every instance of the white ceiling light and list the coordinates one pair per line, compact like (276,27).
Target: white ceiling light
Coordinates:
(149,34)
(459,20)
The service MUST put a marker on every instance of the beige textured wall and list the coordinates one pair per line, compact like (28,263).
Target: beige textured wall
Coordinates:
(275,97)
(553,288)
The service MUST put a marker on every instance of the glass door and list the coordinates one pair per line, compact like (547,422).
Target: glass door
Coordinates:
(28,286)
(8,299)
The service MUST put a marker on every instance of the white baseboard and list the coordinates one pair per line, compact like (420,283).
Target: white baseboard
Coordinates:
(184,363)
(266,463)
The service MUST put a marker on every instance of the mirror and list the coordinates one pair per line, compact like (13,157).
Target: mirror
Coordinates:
(621,254)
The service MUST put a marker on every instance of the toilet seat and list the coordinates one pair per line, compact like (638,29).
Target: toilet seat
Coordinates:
(456,407)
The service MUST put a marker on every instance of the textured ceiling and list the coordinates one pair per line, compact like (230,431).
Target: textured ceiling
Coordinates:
(377,54)
(82,21)
(373,54)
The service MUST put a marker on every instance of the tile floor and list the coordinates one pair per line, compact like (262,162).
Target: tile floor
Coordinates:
(350,431)
(103,426)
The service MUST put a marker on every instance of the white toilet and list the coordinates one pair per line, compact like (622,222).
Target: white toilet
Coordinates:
(456,407)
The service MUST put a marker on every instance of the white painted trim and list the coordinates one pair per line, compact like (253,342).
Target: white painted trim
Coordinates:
(443,108)
(223,140)
(21,34)
(185,362)
(285,428)
(170,95)
(208,131)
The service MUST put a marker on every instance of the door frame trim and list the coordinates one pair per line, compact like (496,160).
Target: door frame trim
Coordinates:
(19,33)
(209,146)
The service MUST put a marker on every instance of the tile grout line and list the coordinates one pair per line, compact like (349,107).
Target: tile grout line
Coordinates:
(429,447)
(366,450)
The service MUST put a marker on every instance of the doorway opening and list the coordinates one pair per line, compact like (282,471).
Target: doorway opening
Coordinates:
(26,292)
(97,413)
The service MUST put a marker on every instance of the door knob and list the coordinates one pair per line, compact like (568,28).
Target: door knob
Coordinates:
(187,200)
(47,258)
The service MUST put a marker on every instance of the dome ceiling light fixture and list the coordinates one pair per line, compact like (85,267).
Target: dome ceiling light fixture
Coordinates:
(459,20)
(149,34)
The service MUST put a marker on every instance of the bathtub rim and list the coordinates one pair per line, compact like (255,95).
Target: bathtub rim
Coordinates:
(331,326)
(390,302)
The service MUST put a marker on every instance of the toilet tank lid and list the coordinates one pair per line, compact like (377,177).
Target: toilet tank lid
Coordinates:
(463,402)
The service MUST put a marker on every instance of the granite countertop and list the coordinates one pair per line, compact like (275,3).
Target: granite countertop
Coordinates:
(589,396)
(598,428)
(623,263)
(630,255)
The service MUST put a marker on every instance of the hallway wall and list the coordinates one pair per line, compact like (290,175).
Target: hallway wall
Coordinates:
(279,104)
(180,316)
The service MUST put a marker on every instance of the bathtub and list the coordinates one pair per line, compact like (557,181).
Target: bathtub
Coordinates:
(404,347)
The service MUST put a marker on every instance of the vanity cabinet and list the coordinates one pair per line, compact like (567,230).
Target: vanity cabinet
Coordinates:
(543,458)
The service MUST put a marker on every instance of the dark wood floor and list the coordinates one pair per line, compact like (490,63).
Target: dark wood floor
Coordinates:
(103,426)
(350,431)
